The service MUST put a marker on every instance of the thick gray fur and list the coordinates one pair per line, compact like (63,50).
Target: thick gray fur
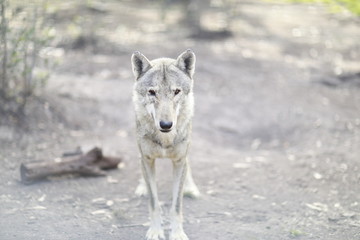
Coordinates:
(163,93)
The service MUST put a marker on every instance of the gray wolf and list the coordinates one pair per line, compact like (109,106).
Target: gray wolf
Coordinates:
(164,106)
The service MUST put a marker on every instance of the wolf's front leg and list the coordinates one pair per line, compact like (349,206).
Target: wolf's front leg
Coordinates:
(155,231)
(177,232)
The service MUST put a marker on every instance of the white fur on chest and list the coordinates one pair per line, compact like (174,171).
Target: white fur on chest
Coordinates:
(163,145)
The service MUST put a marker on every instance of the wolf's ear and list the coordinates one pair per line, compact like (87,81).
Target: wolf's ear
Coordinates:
(186,62)
(140,64)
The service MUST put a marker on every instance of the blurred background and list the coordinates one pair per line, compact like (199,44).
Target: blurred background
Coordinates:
(276,132)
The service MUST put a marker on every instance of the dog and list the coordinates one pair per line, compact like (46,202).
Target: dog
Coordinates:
(164,105)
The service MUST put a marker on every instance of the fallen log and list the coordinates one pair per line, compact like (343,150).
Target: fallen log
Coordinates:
(91,163)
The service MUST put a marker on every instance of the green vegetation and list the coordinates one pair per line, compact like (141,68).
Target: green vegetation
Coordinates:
(336,5)
(24,34)
(296,233)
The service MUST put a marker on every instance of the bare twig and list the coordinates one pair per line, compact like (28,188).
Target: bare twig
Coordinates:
(131,226)
(28,79)
(4,40)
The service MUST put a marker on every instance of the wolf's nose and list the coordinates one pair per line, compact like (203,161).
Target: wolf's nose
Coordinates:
(165,125)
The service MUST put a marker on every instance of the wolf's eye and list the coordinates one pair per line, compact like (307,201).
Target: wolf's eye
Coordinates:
(177,91)
(152,93)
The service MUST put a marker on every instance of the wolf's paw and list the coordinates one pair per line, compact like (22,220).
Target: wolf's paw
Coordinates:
(191,191)
(178,235)
(155,233)
(141,189)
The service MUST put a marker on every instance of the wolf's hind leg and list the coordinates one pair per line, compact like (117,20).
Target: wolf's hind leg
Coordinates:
(141,189)
(190,188)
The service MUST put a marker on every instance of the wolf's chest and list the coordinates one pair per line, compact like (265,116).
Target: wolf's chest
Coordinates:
(164,147)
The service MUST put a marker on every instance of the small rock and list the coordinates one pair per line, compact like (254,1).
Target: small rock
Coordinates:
(291,157)
(122,199)
(348,214)
(211,192)
(357,121)
(241,165)
(39,207)
(98,212)
(227,214)
(325,101)
(255,144)
(122,133)
(111,180)
(211,182)
(121,165)
(260,159)
(317,176)
(42,198)
(98,200)
(334,218)
(255,196)
(317,206)
(318,122)
(248,159)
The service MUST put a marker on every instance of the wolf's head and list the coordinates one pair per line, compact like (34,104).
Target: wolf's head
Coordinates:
(164,88)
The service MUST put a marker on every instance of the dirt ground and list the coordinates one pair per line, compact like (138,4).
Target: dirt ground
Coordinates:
(276,134)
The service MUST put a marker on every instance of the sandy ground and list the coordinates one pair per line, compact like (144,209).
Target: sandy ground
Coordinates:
(276,136)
